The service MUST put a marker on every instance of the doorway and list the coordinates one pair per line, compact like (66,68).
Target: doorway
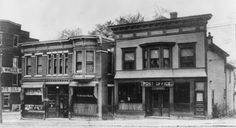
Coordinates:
(160,102)
(57,105)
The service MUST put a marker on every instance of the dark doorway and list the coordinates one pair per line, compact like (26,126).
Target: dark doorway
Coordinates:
(160,102)
(57,105)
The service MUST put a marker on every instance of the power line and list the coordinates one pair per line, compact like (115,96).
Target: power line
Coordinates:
(218,26)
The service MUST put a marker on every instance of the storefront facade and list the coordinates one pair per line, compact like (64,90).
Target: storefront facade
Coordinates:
(66,78)
(161,67)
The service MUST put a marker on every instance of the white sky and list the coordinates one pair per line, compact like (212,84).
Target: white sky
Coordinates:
(45,18)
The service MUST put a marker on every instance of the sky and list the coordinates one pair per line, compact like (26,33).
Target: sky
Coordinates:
(45,18)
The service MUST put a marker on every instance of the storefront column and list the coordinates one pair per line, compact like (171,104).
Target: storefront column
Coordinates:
(22,102)
(70,102)
(171,95)
(100,99)
(116,95)
(191,95)
(143,99)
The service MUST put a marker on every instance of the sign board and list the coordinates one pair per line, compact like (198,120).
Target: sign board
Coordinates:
(11,89)
(10,70)
(158,84)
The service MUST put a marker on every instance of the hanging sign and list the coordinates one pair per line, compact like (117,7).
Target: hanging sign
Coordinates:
(158,84)
(10,70)
(11,89)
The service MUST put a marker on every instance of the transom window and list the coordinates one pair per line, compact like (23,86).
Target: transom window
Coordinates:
(156,57)
(187,55)
(129,58)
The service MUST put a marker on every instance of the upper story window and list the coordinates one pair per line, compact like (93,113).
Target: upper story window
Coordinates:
(187,55)
(15,40)
(54,63)
(66,63)
(39,64)
(129,58)
(50,64)
(156,57)
(89,61)
(79,61)
(15,62)
(1,38)
(57,63)
(60,63)
(28,65)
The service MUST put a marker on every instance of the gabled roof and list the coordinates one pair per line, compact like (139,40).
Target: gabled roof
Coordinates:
(216,49)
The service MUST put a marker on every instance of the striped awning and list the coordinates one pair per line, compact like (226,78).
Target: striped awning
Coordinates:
(32,85)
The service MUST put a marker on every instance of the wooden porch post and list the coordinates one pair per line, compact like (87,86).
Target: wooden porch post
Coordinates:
(143,100)
(70,102)
(171,95)
(116,95)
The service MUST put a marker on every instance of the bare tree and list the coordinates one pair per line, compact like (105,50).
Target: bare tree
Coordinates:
(159,13)
(69,33)
(130,19)
(103,29)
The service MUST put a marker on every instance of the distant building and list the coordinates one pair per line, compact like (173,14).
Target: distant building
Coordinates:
(230,89)
(168,67)
(67,77)
(10,57)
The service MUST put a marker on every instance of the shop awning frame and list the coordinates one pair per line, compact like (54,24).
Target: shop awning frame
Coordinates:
(32,85)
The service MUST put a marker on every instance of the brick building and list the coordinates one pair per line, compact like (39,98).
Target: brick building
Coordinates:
(10,57)
(168,67)
(67,77)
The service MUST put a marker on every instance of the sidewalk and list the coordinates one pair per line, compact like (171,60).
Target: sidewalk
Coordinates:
(12,120)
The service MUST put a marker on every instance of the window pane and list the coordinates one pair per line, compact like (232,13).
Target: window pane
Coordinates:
(166,53)
(129,56)
(55,64)
(199,96)
(199,86)
(130,93)
(49,64)
(15,62)
(66,63)
(154,53)
(79,56)
(89,56)
(39,60)
(187,52)
(89,67)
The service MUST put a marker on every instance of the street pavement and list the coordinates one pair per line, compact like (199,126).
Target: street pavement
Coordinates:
(12,120)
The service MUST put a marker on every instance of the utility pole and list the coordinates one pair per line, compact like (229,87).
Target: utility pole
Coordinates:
(1,94)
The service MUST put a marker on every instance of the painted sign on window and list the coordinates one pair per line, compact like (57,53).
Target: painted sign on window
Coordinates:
(158,84)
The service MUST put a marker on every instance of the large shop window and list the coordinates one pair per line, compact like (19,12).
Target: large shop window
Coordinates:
(130,93)
(89,61)
(156,57)
(182,97)
(28,65)
(187,55)
(33,99)
(85,95)
(79,60)
(39,64)
(129,58)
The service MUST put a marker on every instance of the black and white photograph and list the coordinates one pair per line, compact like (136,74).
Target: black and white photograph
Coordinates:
(117,63)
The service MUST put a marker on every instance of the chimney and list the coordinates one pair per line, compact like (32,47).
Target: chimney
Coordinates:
(173,15)
(209,39)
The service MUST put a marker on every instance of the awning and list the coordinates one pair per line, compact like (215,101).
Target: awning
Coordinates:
(77,84)
(57,83)
(32,85)
(172,73)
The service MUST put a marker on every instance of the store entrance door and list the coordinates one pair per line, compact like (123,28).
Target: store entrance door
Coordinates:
(160,102)
(57,105)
